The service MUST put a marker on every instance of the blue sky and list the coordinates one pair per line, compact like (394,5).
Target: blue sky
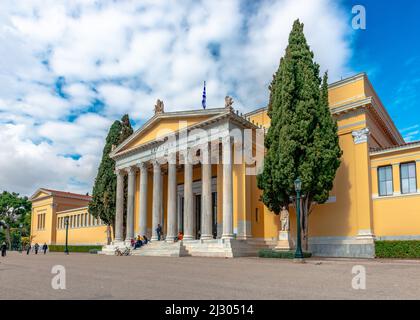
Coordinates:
(69,68)
(389,51)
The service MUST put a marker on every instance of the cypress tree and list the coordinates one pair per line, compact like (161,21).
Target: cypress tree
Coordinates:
(103,202)
(302,140)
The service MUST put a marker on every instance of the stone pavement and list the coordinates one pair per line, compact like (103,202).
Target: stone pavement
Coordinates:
(110,277)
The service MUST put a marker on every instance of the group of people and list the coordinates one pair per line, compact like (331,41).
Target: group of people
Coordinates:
(35,248)
(143,240)
(139,241)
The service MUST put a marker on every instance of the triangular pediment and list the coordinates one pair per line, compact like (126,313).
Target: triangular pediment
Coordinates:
(40,194)
(163,124)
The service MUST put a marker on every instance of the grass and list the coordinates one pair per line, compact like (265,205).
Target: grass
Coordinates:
(409,249)
(61,248)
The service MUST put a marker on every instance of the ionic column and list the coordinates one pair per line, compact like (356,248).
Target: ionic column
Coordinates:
(130,204)
(143,199)
(188,199)
(227,190)
(119,212)
(206,205)
(172,209)
(157,190)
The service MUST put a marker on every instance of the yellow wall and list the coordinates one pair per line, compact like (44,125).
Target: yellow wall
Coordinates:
(399,214)
(92,234)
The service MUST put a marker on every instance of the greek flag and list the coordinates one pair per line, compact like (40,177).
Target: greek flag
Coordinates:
(203,102)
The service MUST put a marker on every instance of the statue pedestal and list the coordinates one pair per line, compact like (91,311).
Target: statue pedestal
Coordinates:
(284,243)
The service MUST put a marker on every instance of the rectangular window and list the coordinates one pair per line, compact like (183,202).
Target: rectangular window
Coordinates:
(408,177)
(256,215)
(385,181)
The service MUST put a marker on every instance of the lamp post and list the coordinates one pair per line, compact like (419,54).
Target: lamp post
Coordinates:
(66,223)
(298,188)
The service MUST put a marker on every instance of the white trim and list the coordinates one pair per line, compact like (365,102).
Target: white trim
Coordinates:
(375,196)
(398,238)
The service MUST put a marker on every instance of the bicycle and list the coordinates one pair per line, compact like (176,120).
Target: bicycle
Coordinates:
(125,252)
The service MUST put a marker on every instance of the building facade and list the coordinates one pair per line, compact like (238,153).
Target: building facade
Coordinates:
(195,172)
(51,208)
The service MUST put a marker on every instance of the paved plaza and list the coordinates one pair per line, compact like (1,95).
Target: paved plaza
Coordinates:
(109,277)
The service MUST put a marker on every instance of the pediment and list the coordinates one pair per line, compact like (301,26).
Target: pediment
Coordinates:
(40,194)
(163,124)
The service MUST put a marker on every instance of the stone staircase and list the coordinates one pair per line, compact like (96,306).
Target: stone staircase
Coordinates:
(221,248)
(161,249)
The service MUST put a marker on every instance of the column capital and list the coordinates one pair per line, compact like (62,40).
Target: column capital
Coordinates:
(361,136)
(226,139)
(131,170)
(142,165)
(120,171)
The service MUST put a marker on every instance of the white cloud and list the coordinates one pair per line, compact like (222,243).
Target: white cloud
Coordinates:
(127,54)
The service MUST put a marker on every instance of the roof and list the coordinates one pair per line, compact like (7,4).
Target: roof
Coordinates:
(62,194)
(404,146)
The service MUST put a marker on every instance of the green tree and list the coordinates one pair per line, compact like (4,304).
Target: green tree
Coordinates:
(14,213)
(302,140)
(104,190)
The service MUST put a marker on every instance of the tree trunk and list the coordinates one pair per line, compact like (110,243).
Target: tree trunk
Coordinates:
(9,242)
(108,234)
(306,203)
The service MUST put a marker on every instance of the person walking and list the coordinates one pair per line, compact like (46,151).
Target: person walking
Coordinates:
(28,248)
(45,247)
(3,249)
(36,248)
(159,231)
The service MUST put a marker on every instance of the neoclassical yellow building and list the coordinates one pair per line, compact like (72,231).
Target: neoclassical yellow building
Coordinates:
(194,171)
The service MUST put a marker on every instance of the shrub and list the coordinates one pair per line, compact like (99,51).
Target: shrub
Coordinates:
(409,249)
(269,253)
(61,248)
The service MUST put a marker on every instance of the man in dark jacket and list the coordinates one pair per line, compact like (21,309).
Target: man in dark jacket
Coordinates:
(36,248)
(28,248)
(45,247)
(159,231)
(3,249)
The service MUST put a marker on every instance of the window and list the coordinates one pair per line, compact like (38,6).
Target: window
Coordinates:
(408,177)
(385,181)
(256,214)
(41,221)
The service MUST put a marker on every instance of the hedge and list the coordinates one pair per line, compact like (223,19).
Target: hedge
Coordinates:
(409,249)
(269,253)
(61,248)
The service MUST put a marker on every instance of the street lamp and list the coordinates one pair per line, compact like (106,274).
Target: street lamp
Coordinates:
(298,188)
(66,223)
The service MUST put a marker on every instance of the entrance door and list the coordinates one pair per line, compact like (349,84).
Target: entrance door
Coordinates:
(197,216)
(214,214)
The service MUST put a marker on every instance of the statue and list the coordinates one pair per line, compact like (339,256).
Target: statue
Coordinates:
(228,102)
(284,242)
(284,219)
(159,107)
